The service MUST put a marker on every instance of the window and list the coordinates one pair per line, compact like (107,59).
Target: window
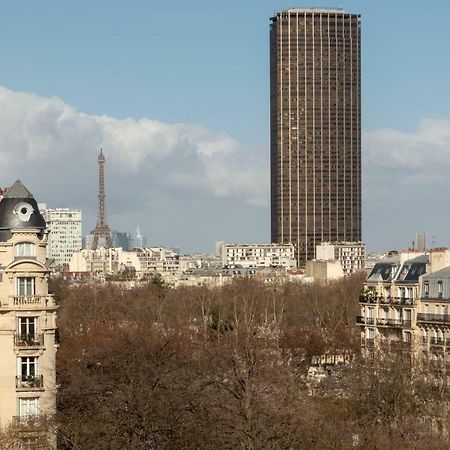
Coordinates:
(24,249)
(25,286)
(440,288)
(27,326)
(28,407)
(28,367)
(426,289)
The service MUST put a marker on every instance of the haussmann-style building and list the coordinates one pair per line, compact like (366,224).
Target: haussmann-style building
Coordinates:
(315,99)
(28,332)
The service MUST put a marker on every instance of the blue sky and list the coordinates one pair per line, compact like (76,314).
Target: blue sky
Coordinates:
(205,63)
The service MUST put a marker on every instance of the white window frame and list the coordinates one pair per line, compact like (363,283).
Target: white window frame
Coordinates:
(26,286)
(24,249)
(27,326)
(27,367)
(28,406)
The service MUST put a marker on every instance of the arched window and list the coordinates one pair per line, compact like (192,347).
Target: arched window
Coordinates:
(24,249)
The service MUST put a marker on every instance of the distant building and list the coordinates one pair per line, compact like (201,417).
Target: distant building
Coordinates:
(351,255)
(121,239)
(64,238)
(137,239)
(324,270)
(258,255)
(28,312)
(112,261)
(421,241)
(219,248)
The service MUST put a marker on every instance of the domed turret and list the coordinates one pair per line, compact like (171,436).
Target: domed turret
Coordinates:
(18,209)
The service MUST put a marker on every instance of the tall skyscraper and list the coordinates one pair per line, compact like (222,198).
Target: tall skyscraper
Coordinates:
(315,98)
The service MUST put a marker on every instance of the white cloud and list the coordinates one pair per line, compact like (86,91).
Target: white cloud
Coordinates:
(421,155)
(406,183)
(46,134)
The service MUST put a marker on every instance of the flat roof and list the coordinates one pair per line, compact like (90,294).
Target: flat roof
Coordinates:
(315,9)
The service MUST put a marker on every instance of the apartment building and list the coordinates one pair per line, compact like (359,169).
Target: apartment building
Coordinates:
(258,255)
(433,319)
(405,306)
(65,234)
(28,342)
(351,255)
(389,303)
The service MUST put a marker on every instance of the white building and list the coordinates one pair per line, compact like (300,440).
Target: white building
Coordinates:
(64,227)
(258,255)
(145,261)
(351,255)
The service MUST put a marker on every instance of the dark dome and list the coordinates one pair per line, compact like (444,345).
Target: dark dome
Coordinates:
(18,209)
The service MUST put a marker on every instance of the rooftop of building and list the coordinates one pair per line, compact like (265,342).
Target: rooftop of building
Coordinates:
(18,209)
(312,10)
(443,273)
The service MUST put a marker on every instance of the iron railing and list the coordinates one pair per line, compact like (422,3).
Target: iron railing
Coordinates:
(30,382)
(28,340)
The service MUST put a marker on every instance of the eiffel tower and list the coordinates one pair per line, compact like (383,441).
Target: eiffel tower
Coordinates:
(101,232)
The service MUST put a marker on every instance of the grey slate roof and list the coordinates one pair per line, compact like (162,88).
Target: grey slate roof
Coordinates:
(18,190)
(19,209)
(443,273)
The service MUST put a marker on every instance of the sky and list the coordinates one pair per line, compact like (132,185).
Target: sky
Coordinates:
(177,93)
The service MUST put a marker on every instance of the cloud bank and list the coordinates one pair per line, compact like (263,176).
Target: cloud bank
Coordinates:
(155,171)
(406,180)
(187,184)
(38,131)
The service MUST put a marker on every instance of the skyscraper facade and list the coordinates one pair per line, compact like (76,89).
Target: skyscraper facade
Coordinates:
(315,84)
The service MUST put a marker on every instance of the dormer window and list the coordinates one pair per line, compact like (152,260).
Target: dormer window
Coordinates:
(426,289)
(440,288)
(24,249)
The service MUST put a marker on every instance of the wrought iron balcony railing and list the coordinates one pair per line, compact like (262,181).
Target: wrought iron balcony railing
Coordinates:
(28,340)
(435,318)
(361,320)
(30,422)
(386,300)
(30,382)
(437,341)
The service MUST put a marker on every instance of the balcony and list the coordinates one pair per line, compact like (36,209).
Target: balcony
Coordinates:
(390,322)
(30,383)
(368,343)
(31,422)
(433,318)
(400,345)
(28,340)
(437,342)
(380,300)
(27,302)
(360,320)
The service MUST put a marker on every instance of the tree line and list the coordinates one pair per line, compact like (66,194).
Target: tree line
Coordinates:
(225,368)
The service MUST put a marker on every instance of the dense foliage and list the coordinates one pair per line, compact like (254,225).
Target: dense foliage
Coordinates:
(198,368)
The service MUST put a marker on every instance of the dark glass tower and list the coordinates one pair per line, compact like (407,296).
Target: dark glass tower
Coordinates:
(315,99)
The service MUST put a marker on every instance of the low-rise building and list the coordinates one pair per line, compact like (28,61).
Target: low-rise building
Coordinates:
(258,255)
(351,255)
(323,271)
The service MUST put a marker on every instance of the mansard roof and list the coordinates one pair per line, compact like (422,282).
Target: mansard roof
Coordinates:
(19,209)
